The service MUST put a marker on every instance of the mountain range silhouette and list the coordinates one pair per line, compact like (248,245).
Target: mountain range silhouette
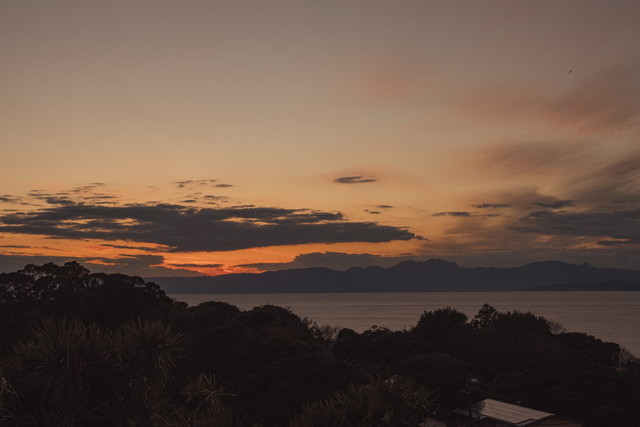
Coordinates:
(433,275)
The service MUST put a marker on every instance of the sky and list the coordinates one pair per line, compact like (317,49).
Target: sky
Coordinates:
(176,138)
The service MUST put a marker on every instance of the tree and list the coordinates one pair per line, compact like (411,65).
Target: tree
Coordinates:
(63,374)
(441,323)
(395,401)
(71,291)
(486,318)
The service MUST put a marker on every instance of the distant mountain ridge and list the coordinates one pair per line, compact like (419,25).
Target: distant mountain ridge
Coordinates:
(433,275)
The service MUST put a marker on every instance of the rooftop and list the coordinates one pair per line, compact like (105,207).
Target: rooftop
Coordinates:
(506,412)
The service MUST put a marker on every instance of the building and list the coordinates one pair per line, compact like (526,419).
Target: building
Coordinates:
(494,413)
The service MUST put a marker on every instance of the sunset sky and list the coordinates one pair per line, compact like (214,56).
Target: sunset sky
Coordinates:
(186,137)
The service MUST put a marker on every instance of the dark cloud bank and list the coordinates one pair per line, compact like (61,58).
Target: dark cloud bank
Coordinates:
(183,228)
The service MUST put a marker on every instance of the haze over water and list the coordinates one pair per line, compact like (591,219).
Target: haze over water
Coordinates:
(610,316)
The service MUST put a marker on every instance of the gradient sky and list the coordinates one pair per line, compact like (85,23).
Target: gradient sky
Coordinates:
(187,137)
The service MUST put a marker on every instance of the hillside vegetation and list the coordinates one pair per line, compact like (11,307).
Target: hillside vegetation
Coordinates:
(89,349)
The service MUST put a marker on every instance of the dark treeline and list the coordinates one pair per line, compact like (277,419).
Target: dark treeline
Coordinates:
(92,349)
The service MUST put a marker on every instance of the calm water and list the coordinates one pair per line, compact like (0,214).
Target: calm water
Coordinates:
(610,316)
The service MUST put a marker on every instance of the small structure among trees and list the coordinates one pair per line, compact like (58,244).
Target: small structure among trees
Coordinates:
(494,413)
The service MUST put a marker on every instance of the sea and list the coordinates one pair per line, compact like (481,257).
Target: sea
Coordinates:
(609,316)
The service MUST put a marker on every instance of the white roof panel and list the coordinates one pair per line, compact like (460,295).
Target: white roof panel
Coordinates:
(513,414)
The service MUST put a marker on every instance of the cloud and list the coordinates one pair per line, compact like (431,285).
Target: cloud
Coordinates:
(590,212)
(464,214)
(200,198)
(592,178)
(211,198)
(100,197)
(335,261)
(185,228)
(454,213)
(355,179)
(491,205)
(86,188)
(609,181)
(554,205)
(581,173)
(9,263)
(198,265)
(137,265)
(604,102)
(575,202)
(130,260)
(8,198)
(527,158)
(87,193)
(59,201)
(137,248)
(619,225)
(616,242)
(206,199)
(199,183)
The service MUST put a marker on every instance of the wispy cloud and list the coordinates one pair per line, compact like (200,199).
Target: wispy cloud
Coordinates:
(605,102)
(355,179)
(620,225)
(527,158)
(592,206)
(194,183)
(454,213)
(8,198)
(554,205)
(491,205)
